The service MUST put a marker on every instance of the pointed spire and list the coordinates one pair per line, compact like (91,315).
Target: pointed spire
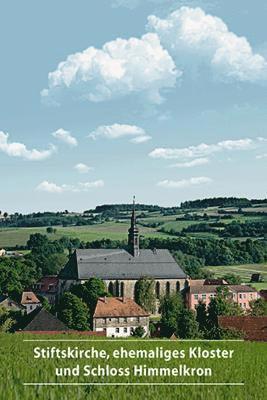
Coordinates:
(133,234)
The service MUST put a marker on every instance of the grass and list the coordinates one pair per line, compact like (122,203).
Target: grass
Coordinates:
(110,230)
(19,366)
(244,270)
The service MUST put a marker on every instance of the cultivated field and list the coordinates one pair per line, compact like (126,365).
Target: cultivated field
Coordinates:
(244,270)
(18,367)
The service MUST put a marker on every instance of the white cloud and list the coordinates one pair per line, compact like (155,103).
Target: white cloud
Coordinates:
(191,34)
(117,131)
(141,139)
(121,67)
(260,156)
(82,168)
(203,149)
(193,163)
(201,180)
(65,136)
(51,187)
(16,149)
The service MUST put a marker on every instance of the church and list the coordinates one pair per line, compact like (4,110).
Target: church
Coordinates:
(120,269)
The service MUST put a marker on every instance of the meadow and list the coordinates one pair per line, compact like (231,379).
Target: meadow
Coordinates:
(18,367)
(244,271)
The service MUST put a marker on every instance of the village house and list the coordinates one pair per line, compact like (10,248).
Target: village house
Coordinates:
(47,287)
(41,321)
(30,301)
(120,269)
(9,304)
(119,317)
(241,294)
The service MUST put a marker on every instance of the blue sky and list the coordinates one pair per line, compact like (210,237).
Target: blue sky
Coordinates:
(102,100)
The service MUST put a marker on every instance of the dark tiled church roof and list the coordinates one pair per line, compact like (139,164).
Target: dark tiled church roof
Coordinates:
(42,320)
(120,264)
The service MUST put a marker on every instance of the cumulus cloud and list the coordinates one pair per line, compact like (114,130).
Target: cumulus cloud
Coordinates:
(193,163)
(117,131)
(203,149)
(201,180)
(16,149)
(51,187)
(121,67)
(191,34)
(141,139)
(65,136)
(82,168)
(261,156)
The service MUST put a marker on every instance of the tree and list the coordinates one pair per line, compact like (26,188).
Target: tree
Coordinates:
(145,294)
(232,279)
(258,307)
(201,317)
(170,307)
(90,291)
(139,332)
(187,326)
(49,229)
(73,312)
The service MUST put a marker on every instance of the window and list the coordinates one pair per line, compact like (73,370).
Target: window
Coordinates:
(157,289)
(125,330)
(245,306)
(177,287)
(131,329)
(240,295)
(168,288)
(125,319)
(251,295)
(30,307)
(244,296)
(110,319)
(204,296)
(196,296)
(117,330)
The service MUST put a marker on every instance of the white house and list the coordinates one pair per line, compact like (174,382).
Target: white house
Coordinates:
(119,317)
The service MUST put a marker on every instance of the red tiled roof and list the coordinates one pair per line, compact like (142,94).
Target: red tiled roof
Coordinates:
(48,283)
(118,307)
(255,328)
(213,288)
(29,298)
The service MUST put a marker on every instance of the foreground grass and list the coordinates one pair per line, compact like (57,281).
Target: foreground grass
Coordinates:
(18,366)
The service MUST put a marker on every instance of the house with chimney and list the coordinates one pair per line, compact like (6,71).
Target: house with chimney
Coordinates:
(30,302)
(119,317)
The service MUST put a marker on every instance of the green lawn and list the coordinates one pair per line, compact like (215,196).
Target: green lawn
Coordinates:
(244,270)
(18,366)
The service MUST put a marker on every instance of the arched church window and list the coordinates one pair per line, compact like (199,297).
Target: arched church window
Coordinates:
(168,288)
(117,288)
(157,289)
(177,287)
(111,288)
(122,289)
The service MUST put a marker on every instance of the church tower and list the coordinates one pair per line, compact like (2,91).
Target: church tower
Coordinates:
(133,234)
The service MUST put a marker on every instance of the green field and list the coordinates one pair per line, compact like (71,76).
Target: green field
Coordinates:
(247,368)
(109,230)
(244,270)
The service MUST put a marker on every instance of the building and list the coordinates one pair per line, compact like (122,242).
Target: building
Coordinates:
(41,321)
(47,287)
(30,301)
(9,304)
(254,328)
(119,317)
(120,269)
(2,252)
(240,294)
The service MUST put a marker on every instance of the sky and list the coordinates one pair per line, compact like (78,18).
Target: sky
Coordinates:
(161,99)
